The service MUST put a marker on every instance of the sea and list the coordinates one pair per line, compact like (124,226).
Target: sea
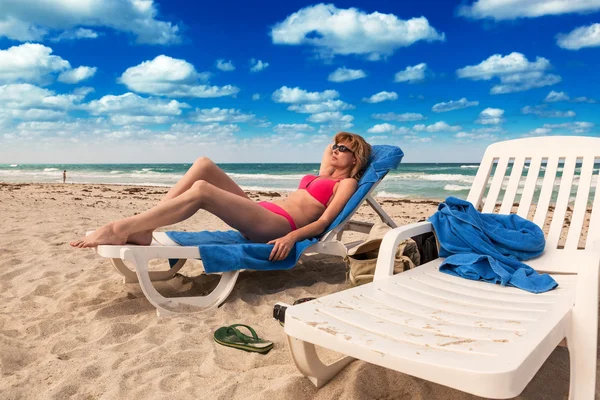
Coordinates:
(410,180)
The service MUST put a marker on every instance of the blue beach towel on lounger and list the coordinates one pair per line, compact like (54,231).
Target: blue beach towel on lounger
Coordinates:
(489,247)
(224,251)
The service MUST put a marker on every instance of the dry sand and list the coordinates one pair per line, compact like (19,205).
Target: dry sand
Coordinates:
(69,327)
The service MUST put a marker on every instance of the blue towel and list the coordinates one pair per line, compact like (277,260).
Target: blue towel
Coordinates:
(489,247)
(224,251)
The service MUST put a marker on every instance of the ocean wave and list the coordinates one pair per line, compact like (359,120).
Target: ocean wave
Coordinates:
(266,189)
(469,166)
(50,169)
(14,165)
(295,177)
(456,188)
(434,177)
(115,172)
(392,195)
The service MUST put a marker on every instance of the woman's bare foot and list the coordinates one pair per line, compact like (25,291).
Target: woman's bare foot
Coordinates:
(106,234)
(143,238)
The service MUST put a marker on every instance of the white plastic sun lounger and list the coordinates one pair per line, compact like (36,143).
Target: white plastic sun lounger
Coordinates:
(480,338)
(163,247)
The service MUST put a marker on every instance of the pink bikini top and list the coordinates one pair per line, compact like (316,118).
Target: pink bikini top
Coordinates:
(320,189)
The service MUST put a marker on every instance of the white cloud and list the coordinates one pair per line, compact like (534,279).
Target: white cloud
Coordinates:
(465,137)
(26,102)
(129,108)
(388,128)
(328,105)
(221,115)
(344,74)
(381,96)
(511,9)
(515,72)
(576,127)
(439,126)
(539,132)
(583,99)
(256,96)
(541,111)
(334,31)
(225,65)
(211,133)
(257,65)
(296,95)
(77,75)
(584,36)
(32,20)
(556,96)
(553,97)
(30,62)
(413,74)
(76,34)
(171,77)
(453,105)
(292,128)
(491,116)
(390,116)
(330,116)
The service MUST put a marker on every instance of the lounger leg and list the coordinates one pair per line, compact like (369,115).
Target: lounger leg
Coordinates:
(130,276)
(167,306)
(581,340)
(309,364)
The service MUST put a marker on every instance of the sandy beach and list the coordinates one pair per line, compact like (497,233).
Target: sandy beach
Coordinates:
(70,328)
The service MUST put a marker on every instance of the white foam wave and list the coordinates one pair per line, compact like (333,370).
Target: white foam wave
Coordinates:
(456,188)
(14,165)
(434,177)
(50,169)
(392,195)
(295,177)
(469,166)
(264,188)
(115,172)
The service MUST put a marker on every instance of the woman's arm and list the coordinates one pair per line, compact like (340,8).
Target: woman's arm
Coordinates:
(283,245)
(325,166)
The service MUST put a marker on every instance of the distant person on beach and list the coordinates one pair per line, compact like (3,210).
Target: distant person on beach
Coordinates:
(65,176)
(305,213)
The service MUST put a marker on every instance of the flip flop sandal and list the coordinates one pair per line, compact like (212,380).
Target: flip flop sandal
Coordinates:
(230,336)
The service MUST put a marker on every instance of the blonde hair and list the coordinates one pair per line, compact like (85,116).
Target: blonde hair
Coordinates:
(360,148)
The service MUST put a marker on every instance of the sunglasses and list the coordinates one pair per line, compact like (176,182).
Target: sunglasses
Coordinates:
(341,148)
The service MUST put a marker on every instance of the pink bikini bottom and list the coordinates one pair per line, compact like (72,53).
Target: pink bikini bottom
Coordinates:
(275,209)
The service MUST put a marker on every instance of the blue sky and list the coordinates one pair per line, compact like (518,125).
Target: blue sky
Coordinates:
(167,81)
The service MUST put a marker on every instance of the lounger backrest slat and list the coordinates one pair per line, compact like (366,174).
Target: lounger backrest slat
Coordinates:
(579,211)
(513,185)
(530,184)
(560,211)
(557,176)
(593,236)
(490,201)
(477,191)
(546,193)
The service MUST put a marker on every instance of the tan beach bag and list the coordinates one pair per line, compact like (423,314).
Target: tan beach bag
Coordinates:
(362,259)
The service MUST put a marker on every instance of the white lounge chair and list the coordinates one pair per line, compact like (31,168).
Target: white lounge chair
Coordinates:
(477,337)
(383,159)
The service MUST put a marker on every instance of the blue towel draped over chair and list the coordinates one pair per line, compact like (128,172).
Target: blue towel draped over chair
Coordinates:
(224,251)
(489,247)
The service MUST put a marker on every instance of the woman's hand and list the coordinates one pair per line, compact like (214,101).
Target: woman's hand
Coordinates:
(282,247)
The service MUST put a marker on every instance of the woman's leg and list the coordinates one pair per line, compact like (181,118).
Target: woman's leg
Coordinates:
(252,220)
(202,169)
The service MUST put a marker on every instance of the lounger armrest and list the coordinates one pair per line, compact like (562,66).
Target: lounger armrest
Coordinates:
(387,251)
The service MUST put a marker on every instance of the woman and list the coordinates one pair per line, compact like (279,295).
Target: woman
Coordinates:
(305,213)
